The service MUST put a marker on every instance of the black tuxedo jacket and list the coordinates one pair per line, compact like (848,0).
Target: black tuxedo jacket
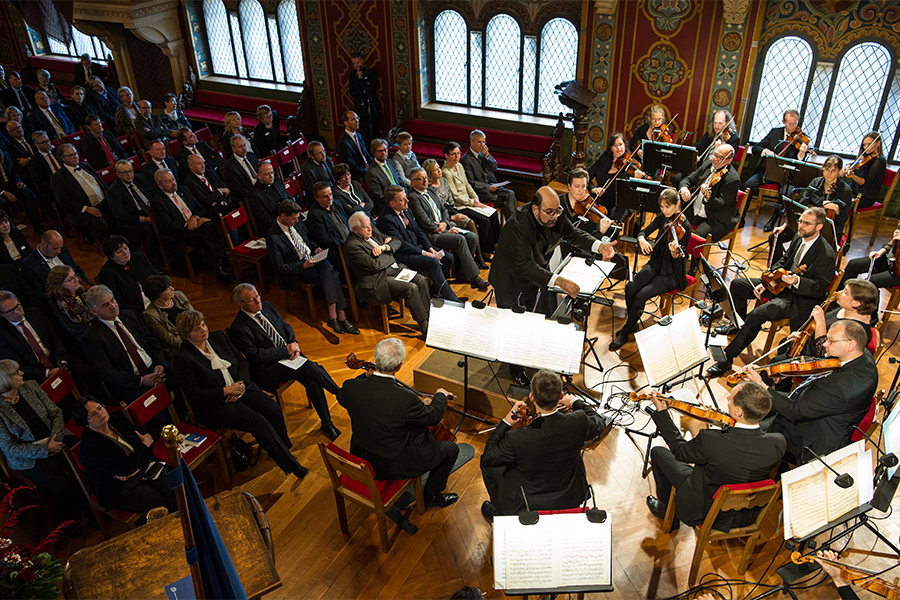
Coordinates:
(350,155)
(125,283)
(68,192)
(814,282)
(34,270)
(248,336)
(169,219)
(150,169)
(122,204)
(14,346)
(735,455)
(264,200)
(390,426)
(311,174)
(773,141)
(110,359)
(822,413)
(37,120)
(213,159)
(413,239)
(544,458)
(93,151)
(283,255)
(721,207)
(9,98)
(199,190)
(236,177)
(322,227)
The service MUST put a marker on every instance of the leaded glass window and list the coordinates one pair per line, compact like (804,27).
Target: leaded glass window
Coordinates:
(559,57)
(783,83)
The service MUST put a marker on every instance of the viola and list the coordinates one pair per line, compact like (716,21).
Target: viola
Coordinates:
(698,412)
(774,280)
(794,368)
(807,331)
(795,140)
(865,579)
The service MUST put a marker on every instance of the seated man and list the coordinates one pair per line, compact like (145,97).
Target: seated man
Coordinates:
(542,458)
(182,221)
(20,149)
(159,160)
(86,69)
(268,342)
(34,268)
(433,219)
(81,192)
(481,171)
(327,219)
(882,271)
(370,255)
(148,127)
(49,118)
(265,196)
(207,187)
(129,200)
(127,358)
(42,167)
(27,337)
(290,248)
(100,148)
(352,147)
(390,425)
(18,95)
(821,413)
(381,174)
(239,171)
(714,209)
(190,145)
(415,249)
(796,302)
(739,454)
(318,167)
(104,99)
(14,194)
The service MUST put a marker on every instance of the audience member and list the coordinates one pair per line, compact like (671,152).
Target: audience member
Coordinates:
(239,170)
(14,246)
(100,148)
(350,194)
(464,197)
(42,168)
(161,315)
(231,127)
(47,86)
(129,200)
(382,174)
(20,149)
(16,94)
(207,187)
(15,195)
(126,111)
(481,171)
(171,118)
(267,134)
(27,337)
(352,147)
(327,221)
(147,126)
(158,160)
(363,88)
(86,69)
(65,297)
(477,222)
(265,196)
(191,145)
(34,268)
(105,99)
(80,192)
(124,273)
(404,158)
(318,167)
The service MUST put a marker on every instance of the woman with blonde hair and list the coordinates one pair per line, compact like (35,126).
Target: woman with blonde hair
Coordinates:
(231,128)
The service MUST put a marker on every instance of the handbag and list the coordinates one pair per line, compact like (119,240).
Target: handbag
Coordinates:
(241,456)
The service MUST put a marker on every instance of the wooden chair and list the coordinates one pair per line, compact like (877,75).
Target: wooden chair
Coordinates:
(697,247)
(762,495)
(242,254)
(742,197)
(766,190)
(285,156)
(847,239)
(298,146)
(740,155)
(107,174)
(877,209)
(354,479)
(204,135)
(385,320)
(127,142)
(59,386)
(157,400)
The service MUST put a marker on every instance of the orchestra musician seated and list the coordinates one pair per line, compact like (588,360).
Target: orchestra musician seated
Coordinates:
(884,272)
(540,462)
(808,249)
(714,210)
(391,423)
(575,203)
(740,454)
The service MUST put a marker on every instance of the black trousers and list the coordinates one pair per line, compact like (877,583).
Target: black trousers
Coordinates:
(51,476)
(774,310)
(503,200)
(438,476)
(667,472)
(316,380)
(98,226)
(488,229)
(647,284)
(464,247)
(147,495)
(437,270)
(881,274)
(323,274)
(205,236)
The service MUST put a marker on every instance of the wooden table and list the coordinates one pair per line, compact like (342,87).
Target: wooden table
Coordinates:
(141,562)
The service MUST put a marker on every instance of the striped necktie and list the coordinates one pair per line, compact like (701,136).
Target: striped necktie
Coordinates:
(273,335)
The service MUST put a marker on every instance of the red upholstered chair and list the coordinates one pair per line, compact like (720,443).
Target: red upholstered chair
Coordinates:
(877,209)
(354,479)
(869,417)
(127,142)
(697,247)
(107,174)
(298,146)
(766,190)
(135,162)
(74,138)
(59,386)
(293,186)
(204,135)
(173,147)
(285,156)
(242,253)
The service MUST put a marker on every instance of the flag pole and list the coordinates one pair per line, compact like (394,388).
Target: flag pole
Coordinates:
(170,434)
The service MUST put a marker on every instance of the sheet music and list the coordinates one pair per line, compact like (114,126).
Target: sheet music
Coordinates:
(443,326)
(891,431)
(519,342)
(808,512)
(840,500)
(480,331)
(657,354)
(684,331)
(587,557)
(530,565)
(560,348)
(588,277)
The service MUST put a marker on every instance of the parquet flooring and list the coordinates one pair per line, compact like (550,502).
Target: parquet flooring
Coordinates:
(453,546)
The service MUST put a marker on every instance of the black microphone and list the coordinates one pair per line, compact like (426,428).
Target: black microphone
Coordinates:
(595,515)
(529,517)
(519,308)
(484,302)
(885,460)
(842,480)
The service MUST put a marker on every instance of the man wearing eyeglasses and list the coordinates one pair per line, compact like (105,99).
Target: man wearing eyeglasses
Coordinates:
(821,412)
(520,265)
(81,192)
(129,196)
(34,268)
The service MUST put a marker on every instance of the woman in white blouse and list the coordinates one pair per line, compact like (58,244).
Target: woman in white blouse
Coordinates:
(15,247)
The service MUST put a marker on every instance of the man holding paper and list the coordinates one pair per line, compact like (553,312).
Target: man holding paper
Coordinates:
(298,259)
(542,458)
(740,454)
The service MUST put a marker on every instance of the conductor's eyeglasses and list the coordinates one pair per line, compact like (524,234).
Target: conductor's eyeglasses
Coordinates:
(551,212)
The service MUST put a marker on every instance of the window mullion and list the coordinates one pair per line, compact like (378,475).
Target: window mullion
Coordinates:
(237,71)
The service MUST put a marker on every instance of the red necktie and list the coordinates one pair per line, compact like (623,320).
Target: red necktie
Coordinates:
(207,183)
(361,154)
(35,347)
(132,350)
(106,151)
(404,219)
(54,163)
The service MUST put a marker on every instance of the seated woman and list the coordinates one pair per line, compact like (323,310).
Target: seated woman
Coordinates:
(46,86)
(172,118)
(232,127)
(350,193)
(866,179)
(65,296)
(606,168)
(663,272)
(14,247)
(124,272)
(223,395)
(32,436)
(471,220)
(166,304)
(119,462)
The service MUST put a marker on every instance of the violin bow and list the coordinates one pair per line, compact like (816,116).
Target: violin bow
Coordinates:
(768,353)
(864,152)
(713,142)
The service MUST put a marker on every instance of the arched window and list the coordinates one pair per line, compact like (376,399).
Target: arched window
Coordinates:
(783,83)
(256,40)
(450,58)
(503,48)
(290,42)
(559,56)
(81,44)
(219,37)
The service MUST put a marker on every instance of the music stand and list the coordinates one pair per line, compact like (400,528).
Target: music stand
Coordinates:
(673,157)
(787,171)
(642,196)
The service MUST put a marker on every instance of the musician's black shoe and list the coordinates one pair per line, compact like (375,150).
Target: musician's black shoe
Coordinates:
(719,369)
(520,376)
(770,224)
(658,510)
(728,329)
(488,510)
(442,500)
(331,431)
(300,471)
(349,327)
(619,341)
(479,283)
(336,325)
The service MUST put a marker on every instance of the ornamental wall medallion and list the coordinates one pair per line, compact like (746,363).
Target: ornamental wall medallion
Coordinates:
(661,69)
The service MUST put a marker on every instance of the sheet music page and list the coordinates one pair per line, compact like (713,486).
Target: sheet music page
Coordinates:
(685,333)
(519,342)
(481,331)
(808,512)
(891,430)
(529,562)
(657,353)
(587,556)
(588,277)
(839,500)
(559,348)
(499,531)
(443,327)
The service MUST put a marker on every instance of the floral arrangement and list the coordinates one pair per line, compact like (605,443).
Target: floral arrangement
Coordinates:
(26,572)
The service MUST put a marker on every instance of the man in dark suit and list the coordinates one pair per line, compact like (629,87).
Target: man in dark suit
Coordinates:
(821,412)
(240,170)
(370,255)
(739,454)
(318,167)
(381,174)
(129,200)
(104,99)
(182,220)
(50,118)
(481,171)
(390,426)
(190,145)
(159,160)
(415,249)
(268,342)
(34,268)
(796,302)
(81,192)
(327,220)
(714,211)
(291,249)
(207,187)
(100,148)
(86,69)
(16,94)
(543,458)
(42,167)
(27,337)
(20,149)
(14,194)
(266,196)
(127,358)
(352,148)
(148,127)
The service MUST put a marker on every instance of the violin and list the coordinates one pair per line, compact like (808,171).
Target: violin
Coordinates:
(675,228)
(590,210)
(628,163)
(726,134)
(794,368)
(807,331)
(860,577)
(862,161)
(440,431)
(713,180)
(663,134)
(829,191)
(698,412)
(795,140)
(774,280)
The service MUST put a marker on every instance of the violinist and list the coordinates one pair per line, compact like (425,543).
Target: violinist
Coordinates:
(821,413)
(665,270)
(715,184)
(575,203)
(653,123)
(611,165)
(740,454)
(796,302)
(828,191)
(867,172)
(882,271)
(721,129)
(542,457)
(844,590)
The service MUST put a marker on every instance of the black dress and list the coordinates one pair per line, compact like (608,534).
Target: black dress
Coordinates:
(21,243)
(873,172)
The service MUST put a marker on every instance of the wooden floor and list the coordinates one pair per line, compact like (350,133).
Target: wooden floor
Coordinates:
(453,546)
